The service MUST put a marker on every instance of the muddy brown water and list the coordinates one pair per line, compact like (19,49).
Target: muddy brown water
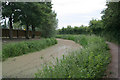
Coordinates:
(26,66)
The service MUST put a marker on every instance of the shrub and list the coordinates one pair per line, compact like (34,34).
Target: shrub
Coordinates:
(89,62)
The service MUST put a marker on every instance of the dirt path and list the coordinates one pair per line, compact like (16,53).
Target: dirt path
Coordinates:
(25,66)
(112,71)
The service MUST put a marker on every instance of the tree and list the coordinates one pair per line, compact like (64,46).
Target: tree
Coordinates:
(96,26)
(111,21)
(8,10)
(38,16)
(49,23)
(34,15)
(11,10)
(75,30)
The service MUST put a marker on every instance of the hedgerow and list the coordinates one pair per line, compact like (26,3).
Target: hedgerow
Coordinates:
(89,62)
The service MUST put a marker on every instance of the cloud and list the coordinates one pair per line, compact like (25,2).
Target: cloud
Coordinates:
(74,11)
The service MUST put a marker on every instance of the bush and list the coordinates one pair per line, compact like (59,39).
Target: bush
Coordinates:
(89,62)
(24,47)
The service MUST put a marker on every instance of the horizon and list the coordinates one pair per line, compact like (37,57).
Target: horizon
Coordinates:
(77,13)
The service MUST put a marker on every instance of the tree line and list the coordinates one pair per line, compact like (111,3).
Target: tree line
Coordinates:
(107,27)
(95,27)
(30,15)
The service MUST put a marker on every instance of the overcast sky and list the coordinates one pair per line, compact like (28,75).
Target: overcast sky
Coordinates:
(77,12)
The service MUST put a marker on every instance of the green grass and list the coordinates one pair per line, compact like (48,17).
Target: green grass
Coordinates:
(0,55)
(24,47)
(89,62)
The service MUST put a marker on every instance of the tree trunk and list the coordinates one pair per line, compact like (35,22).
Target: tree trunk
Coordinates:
(11,28)
(27,32)
(17,33)
(33,31)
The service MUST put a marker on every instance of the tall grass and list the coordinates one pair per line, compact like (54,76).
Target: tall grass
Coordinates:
(0,55)
(89,62)
(24,47)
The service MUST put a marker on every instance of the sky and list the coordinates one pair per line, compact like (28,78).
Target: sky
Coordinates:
(77,12)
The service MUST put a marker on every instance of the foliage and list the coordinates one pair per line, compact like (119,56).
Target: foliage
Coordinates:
(89,62)
(0,55)
(24,47)
(48,29)
(108,27)
(35,15)
(76,30)
(96,26)
(17,25)
(111,21)
(80,40)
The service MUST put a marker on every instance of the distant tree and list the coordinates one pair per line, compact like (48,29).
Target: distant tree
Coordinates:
(74,30)
(96,26)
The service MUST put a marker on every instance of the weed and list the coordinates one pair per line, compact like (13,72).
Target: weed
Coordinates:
(89,62)
(24,47)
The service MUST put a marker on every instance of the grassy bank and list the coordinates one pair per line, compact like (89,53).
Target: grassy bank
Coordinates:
(89,62)
(24,47)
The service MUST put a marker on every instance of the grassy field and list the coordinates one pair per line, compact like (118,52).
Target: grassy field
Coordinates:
(89,62)
(24,47)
